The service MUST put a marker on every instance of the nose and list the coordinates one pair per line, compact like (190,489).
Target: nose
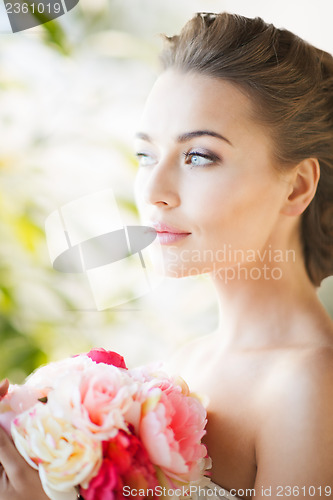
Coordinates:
(160,184)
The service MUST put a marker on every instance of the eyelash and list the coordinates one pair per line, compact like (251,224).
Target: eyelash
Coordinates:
(213,158)
(142,155)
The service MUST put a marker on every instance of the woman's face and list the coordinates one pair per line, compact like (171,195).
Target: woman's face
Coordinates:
(206,179)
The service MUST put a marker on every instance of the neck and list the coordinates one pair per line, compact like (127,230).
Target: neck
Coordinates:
(266,304)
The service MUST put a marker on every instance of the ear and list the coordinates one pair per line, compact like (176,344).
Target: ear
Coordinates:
(303,185)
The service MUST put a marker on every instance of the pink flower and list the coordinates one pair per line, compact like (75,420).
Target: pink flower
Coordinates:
(171,429)
(156,375)
(125,463)
(97,402)
(108,357)
(18,399)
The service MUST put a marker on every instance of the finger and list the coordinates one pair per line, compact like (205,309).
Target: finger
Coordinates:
(5,488)
(11,460)
(4,385)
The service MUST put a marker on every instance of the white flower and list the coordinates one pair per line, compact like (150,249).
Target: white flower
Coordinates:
(65,456)
(49,375)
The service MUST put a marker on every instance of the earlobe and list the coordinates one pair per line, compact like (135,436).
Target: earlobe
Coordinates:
(302,187)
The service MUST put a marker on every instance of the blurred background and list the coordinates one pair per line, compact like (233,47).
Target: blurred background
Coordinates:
(72,91)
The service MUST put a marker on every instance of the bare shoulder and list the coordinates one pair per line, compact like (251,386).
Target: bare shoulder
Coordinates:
(309,369)
(296,427)
(301,381)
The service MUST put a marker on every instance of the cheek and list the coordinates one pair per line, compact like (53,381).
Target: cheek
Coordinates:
(238,211)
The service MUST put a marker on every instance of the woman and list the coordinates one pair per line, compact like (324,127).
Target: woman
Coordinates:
(236,175)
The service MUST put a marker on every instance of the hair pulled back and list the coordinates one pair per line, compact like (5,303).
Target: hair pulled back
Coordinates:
(291,85)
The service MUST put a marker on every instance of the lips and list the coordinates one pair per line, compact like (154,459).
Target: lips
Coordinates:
(161,227)
(168,234)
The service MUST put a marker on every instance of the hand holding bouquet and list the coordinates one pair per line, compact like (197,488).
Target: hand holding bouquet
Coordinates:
(89,424)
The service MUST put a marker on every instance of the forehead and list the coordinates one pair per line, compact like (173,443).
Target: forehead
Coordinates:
(180,102)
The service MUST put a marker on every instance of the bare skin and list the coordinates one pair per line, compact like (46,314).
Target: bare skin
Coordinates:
(268,369)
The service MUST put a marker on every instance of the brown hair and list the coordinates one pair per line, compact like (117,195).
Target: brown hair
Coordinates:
(291,83)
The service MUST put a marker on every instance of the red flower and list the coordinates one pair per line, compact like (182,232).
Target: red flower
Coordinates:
(4,386)
(100,355)
(125,464)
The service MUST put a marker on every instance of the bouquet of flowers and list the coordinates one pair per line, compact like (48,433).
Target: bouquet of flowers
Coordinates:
(91,426)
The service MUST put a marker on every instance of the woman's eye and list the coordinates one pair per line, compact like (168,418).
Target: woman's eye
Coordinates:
(199,159)
(145,159)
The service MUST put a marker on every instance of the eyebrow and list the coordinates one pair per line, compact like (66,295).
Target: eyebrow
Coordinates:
(187,136)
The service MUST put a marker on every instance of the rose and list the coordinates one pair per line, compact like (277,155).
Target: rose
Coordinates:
(106,393)
(95,400)
(108,357)
(125,463)
(65,456)
(171,429)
